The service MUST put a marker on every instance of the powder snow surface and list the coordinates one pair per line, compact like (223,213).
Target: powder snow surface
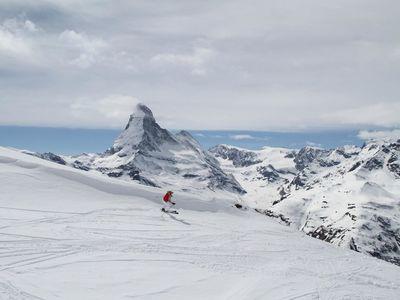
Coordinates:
(69,234)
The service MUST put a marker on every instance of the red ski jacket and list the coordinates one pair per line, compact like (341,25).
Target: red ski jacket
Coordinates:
(167,197)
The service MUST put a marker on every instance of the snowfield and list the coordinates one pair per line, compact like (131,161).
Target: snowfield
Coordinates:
(70,234)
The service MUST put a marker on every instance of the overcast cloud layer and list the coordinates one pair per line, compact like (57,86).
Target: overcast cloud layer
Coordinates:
(258,65)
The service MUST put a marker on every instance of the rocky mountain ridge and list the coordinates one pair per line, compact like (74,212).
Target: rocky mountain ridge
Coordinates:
(347,196)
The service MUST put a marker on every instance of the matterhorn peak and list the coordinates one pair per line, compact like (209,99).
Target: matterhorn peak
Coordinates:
(140,111)
(142,132)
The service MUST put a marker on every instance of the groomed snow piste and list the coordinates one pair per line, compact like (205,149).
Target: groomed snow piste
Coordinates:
(70,234)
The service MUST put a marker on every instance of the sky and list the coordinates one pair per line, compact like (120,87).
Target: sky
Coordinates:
(281,65)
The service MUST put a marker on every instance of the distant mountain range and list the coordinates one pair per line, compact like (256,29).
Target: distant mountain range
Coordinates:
(349,196)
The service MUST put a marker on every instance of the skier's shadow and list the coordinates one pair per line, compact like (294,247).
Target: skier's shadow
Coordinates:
(178,220)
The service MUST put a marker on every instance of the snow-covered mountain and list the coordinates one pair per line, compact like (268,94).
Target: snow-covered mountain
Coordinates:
(147,153)
(348,196)
(70,234)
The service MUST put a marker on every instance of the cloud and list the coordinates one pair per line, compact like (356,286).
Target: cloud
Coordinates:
(379,114)
(113,109)
(277,66)
(86,50)
(379,135)
(30,26)
(14,39)
(22,41)
(18,25)
(312,144)
(239,137)
(196,61)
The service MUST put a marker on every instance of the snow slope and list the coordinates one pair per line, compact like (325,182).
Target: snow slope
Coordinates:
(70,234)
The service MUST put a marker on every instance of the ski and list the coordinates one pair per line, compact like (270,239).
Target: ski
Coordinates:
(169,211)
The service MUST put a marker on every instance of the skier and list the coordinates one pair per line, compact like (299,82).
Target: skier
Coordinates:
(167,202)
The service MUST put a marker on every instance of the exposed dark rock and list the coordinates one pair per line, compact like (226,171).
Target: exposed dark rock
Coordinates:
(372,147)
(327,234)
(351,206)
(384,222)
(386,243)
(395,168)
(135,175)
(366,226)
(355,166)
(271,214)
(353,246)
(220,180)
(115,174)
(239,158)
(345,154)
(79,165)
(393,165)
(395,146)
(268,173)
(392,159)
(306,156)
(373,164)
(240,206)
(352,217)
(328,163)
(283,195)
(128,167)
(291,154)
(190,176)
(154,136)
(51,157)
(385,149)
(299,181)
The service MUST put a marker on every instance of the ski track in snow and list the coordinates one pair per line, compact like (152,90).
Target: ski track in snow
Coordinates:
(66,234)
